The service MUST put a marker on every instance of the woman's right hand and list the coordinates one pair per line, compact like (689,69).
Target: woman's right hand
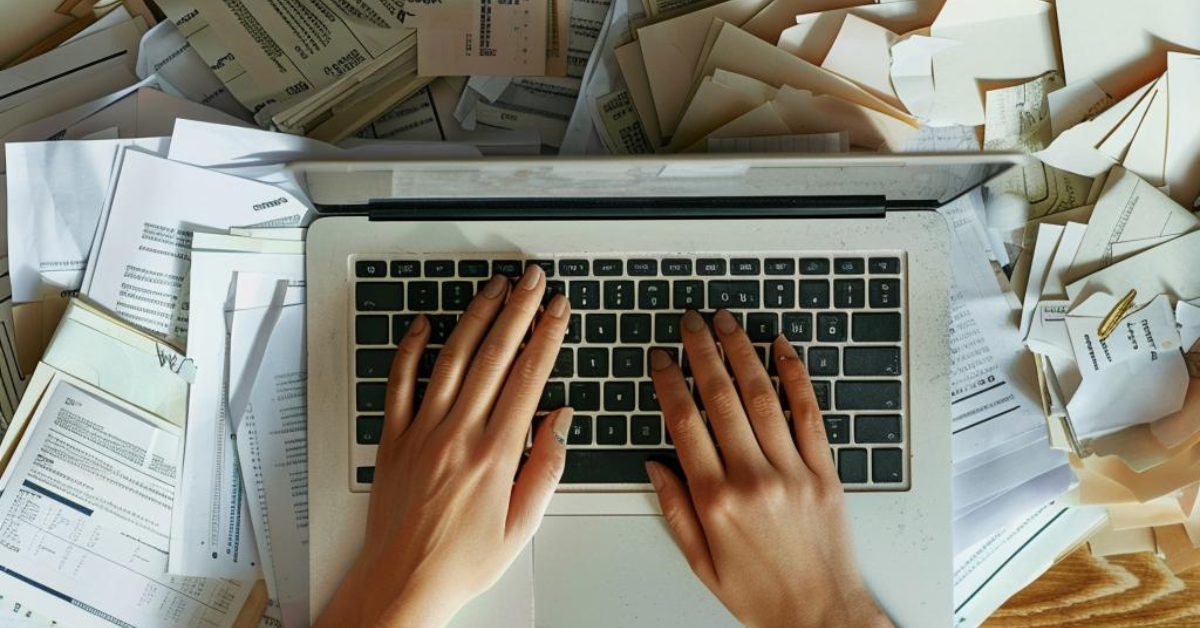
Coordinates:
(761,521)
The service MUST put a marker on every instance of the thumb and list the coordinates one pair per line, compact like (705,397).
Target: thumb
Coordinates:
(681,518)
(539,476)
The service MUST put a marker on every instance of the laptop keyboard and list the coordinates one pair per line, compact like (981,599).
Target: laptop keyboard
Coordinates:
(842,311)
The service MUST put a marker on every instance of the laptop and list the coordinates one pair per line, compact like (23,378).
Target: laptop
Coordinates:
(846,256)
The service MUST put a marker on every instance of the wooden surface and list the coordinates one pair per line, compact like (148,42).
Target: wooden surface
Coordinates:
(1118,592)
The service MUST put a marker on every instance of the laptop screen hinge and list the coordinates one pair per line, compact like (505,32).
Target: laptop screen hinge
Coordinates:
(629,208)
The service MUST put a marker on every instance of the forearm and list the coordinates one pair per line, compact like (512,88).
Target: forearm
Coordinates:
(355,605)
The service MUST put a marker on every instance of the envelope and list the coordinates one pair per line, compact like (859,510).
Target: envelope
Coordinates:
(862,53)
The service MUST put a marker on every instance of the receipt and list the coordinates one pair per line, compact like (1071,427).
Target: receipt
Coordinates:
(479,37)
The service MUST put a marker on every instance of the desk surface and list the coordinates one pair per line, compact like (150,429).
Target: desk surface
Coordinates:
(1119,592)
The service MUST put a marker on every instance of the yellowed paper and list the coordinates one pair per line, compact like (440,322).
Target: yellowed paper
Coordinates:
(672,49)
(758,122)
(1176,548)
(805,113)
(480,37)
(637,83)
(862,53)
(1183,142)
(1110,542)
(624,132)
(1001,41)
(811,35)
(720,99)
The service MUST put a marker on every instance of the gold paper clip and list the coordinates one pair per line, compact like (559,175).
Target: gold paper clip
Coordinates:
(1110,322)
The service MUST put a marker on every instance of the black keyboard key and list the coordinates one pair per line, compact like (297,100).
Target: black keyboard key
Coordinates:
(744,266)
(441,325)
(797,326)
(822,361)
(585,396)
(439,268)
(619,396)
(422,296)
(887,466)
(780,266)
(837,428)
(647,397)
(456,295)
(546,265)
(849,293)
(406,268)
(618,295)
(370,270)
(852,466)
(876,327)
(831,327)
(368,430)
(821,392)
(814,266)
(581,430)
(849,266)
(645,429)
(779,294)
(613,466)
(855,395)
(473,268)
(882,429)
(710,267)
(379,297)
(872,361)
(573,267)
(564,364)
(689,295)
(666,328)
(762,327)
(574,333)
(608,268)
(628,362)
(400,325)
(553,287)
(677,267)
(510,268)
(600,328)
(814,294)
(370,397)
(365,475)
(372,330)
(419,394)
(585,295)
(885,293)
(593,362)
(554,396)
(373,363)
(654,295)
(885,265)
(642,267)
(733,294)
(428,361)
(610,429)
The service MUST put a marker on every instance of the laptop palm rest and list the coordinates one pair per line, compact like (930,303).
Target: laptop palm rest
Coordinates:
(605,571)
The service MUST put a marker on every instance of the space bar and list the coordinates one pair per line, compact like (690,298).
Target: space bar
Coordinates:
(613,466)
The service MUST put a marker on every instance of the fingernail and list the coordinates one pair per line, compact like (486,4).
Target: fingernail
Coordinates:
(655,474)
(417,326)
(532,276)
(692,321)
(659,359)
(784,349)
(724,322)
(495,287)
(558,306)
(562,424)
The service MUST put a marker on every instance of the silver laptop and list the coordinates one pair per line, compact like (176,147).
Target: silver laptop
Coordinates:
(846,256)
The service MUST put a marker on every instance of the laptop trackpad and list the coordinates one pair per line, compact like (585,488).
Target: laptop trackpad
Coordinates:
(600,572)
(510,599)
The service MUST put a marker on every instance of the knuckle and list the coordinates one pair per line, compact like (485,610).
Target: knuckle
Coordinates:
(723,403)
(492,355)
(723,502)
(762,401)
